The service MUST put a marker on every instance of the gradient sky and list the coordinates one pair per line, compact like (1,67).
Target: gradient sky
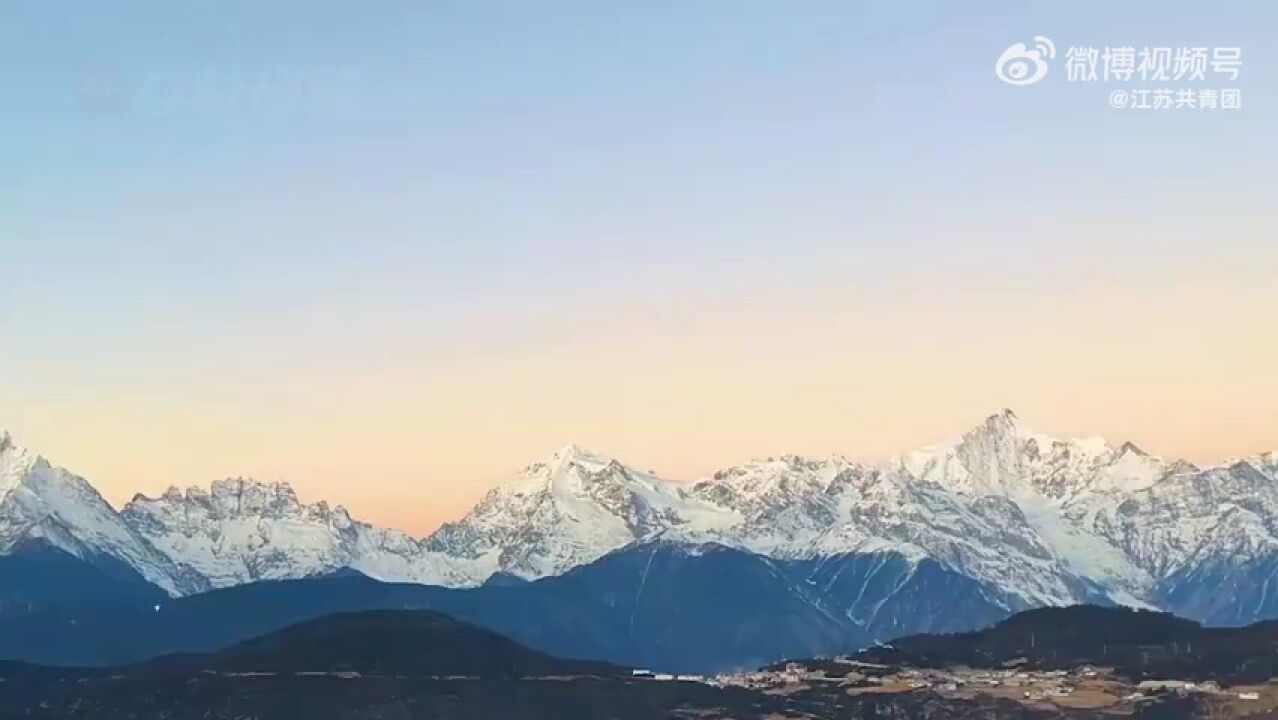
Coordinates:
(392,252)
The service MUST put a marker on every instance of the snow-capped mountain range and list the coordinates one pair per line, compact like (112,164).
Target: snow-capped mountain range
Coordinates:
(1031,519)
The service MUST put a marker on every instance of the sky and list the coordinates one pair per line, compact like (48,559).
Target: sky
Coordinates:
(392,252)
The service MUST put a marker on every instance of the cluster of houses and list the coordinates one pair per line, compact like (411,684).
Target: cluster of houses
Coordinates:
(871,676)
(1185,687)
(1035,685)
(1032,684)
(793,673)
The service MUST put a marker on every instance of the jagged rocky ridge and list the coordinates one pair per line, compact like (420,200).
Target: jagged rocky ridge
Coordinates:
(1020,519)
(240,531)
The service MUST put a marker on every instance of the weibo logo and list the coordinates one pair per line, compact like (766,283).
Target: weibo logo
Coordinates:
(1020,65)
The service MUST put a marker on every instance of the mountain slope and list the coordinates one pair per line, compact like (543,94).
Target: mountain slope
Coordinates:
(660,605)
(36,575)
(667,606)
(888,594)
(42,503)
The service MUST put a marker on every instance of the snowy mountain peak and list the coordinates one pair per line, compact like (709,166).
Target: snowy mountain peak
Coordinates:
(989,459)
(1265,462)
(15,463)
(567,511)
(41,502)
(1130,447)
(574,452)
(19,468)
(566,472)
(1004,457)
(1005,426)
(1003,418)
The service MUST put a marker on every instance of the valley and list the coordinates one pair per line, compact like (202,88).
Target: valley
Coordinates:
(412,664)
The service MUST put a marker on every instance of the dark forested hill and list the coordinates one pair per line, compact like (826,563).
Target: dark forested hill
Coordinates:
(1137,643)
(396,642)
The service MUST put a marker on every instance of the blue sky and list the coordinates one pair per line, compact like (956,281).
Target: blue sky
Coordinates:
(281,227)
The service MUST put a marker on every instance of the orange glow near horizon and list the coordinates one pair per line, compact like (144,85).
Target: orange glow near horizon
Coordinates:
(1183,372)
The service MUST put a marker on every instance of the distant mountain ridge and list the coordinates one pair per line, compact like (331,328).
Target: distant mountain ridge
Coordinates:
(661,605)
(1012,517)
(658,605)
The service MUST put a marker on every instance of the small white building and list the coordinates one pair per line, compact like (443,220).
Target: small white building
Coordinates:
(1248,696)
(1152,685)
